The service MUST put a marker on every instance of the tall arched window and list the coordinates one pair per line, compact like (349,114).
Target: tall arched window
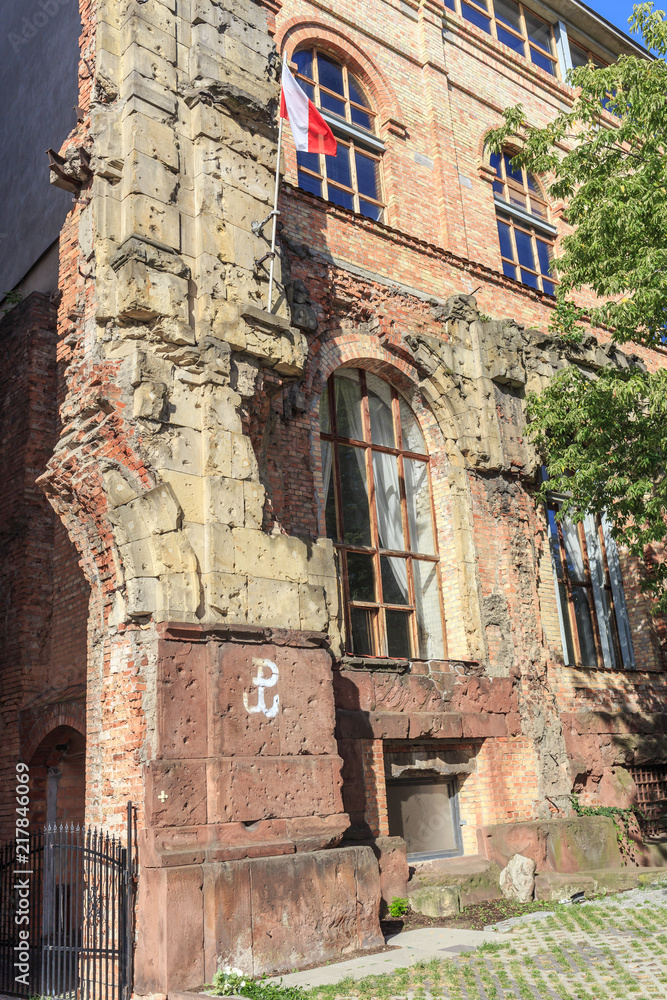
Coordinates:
(352,177)
(526,236)
(379,513)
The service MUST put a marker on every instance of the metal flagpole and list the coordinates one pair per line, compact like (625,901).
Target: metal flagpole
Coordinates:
(275,213)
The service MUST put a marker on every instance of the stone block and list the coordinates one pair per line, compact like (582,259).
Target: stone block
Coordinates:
(138,560)
(217,553)
(254,788)
(181,700)
(436,900)
(149,400)
(143,174)
(517,879)
(170,923)
(159,38)
(221,409)
(174,553)
(153,138)
(160,509)
(253,498)
(273,602)
(244,463)
(443,725)
(189,492)
(226,594)
(224,501)
(176,448)
(391,853)
(175,793)
(312,608)
(566,845)
(141,596)
(178,596)
(144,293)
(228,928)
(480,725)
(144,216)
(555,886)
(117,489)
(279,557)
(217,452)
(140,61)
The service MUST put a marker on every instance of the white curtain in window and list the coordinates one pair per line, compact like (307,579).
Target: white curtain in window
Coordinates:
(599,596)
(620,607)
(390,521)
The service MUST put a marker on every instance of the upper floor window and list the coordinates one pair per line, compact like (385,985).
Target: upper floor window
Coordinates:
(352,178)
(380,515)
(589,589)
(525,234)
(512,24)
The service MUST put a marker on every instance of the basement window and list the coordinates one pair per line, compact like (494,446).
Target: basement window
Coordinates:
(591,603)
(651,782)
(425,814)
(350,179)
(379,513)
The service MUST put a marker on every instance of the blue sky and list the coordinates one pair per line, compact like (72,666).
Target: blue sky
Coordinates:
(616,11)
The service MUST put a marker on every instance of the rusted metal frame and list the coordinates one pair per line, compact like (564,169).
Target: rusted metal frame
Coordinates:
(378,447)
(591,599)
(574,628)
(380,626)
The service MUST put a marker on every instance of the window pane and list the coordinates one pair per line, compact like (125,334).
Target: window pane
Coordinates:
(307,88)
(304,62)
(330,74)
(573,554)
(528,278)
(354,494)
(338,167)
(516,175)
(413,439)
(548,287)
(495,162)
(311,161)
(508,12)
(340,197)
(332,104)
(562,595)
(420,515)
(539,31)
(584,621)
(398,634)
(578,56)
(361,118)
(450,4)
(379,406)
(554,543)
(543,61)
(329,490)
(508,270)
(367,175)
(356,93)
(308,183)
(499,188)
(394,573)
(475,17)
(388,502)
(517,198)
(422,815)
(538,208)
(524,248)
(348,404)
(505,238)
(544,255)
(369,210)
(429,619)
(507,38)
(325,416)
(361,620)
(360,577)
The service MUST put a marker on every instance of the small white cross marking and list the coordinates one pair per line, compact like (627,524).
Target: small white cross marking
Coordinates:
(163,796)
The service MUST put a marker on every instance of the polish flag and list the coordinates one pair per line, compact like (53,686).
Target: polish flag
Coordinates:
(311,132)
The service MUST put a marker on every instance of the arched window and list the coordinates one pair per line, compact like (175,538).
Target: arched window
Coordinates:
(352,178)
(525,233)
(380,515)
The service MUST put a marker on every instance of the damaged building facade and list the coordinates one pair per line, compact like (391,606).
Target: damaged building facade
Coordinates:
(274,571)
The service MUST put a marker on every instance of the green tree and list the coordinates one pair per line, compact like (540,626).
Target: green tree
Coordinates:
(604,437)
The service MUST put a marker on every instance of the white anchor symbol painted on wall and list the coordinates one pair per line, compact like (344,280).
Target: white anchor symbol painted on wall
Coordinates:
(261,682)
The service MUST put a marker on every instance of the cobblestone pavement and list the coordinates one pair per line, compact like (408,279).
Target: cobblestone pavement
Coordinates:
(613,949)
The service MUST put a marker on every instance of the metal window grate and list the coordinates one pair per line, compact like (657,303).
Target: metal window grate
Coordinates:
(652,799)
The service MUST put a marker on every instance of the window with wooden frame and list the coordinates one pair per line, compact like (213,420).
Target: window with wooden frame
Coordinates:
(525,234)
(379,513)
(580,56)
(591,603)
(352,177)
(514,25)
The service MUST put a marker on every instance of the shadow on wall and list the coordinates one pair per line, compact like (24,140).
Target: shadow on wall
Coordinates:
(58,778)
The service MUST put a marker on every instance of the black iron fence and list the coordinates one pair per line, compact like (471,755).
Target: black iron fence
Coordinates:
(77,889)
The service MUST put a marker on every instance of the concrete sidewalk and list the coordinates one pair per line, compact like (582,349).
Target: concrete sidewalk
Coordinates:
(408,947)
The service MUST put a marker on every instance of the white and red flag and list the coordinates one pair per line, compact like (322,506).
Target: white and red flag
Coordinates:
(311,132)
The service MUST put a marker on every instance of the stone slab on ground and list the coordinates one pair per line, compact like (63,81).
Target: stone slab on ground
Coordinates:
(477,877)
(436,900)
(555,886)
(408,947)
